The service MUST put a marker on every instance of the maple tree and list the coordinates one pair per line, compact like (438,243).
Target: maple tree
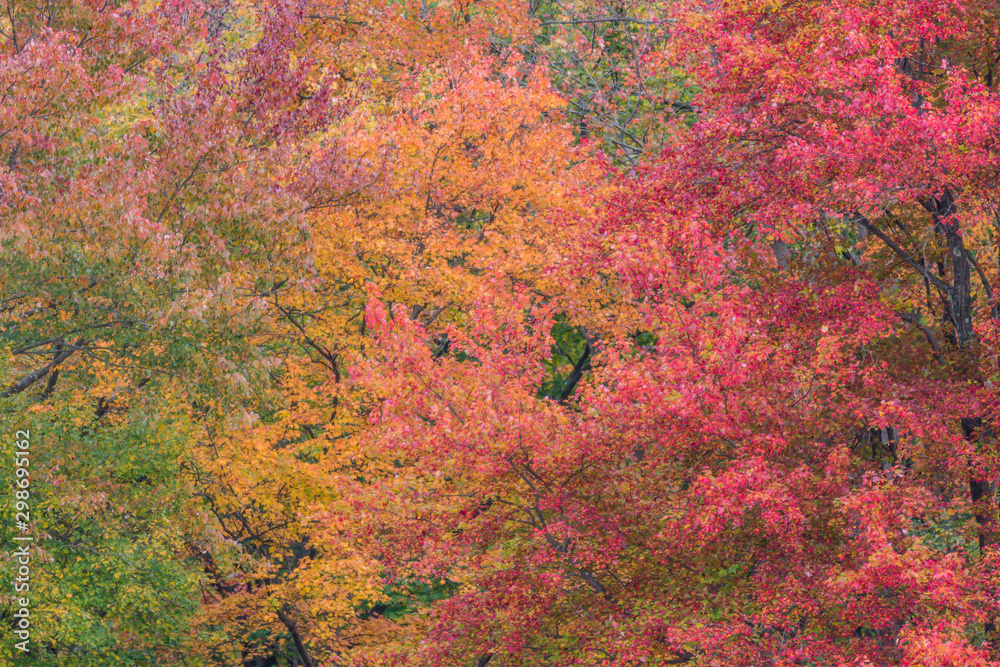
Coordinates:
(476,163)
(854,145)
(785,455)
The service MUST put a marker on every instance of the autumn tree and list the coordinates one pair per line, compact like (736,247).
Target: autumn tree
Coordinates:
(454,161)
(783,452)
(145,217)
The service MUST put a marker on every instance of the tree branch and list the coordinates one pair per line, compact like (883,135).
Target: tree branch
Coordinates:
(300,646)
(608,19)
(937,282)
(34,377)
(913,319)
(575,375)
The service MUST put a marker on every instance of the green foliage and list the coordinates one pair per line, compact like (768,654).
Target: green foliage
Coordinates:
(110,576)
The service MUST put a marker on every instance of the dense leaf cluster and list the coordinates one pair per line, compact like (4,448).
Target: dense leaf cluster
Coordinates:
(562,332)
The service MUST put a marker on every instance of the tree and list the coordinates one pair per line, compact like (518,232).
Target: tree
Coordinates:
(784,451)
(451,188)
(146,159)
